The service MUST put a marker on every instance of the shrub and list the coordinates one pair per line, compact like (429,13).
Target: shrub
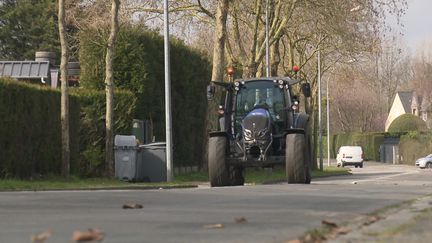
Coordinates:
(407,123)
(370,142)
(30,133)
(414,145)
(92,126)
(139,67)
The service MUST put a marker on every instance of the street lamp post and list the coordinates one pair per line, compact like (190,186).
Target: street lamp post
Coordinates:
(319,112)
(267,40)
(168,121)
(328,122)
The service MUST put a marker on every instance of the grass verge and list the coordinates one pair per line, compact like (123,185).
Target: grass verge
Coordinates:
(253,176)
(58,183)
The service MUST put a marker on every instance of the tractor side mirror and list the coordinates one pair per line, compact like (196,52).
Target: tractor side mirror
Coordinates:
(306,89)
(210,91)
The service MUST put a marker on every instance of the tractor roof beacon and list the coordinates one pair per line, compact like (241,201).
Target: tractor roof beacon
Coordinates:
(260,126)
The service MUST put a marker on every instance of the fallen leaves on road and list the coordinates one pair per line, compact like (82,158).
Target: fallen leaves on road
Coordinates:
(329,223)
(42,237)
(240,220)
(342,230)
(372,219)
(335,230)
(132,206)
(213,226)
(90,235)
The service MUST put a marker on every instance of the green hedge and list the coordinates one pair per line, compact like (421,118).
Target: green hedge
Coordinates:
(30,135)
(92,126)
(370,142)
(407,123)
(139,67)
(414,145)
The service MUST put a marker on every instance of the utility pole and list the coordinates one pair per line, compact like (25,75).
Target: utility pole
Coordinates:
(168,121)
(328,123)
(319,113)
(267,40)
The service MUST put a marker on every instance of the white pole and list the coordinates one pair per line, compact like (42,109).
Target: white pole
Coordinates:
(267,40)
(319,113)
(328,123)
(168,122)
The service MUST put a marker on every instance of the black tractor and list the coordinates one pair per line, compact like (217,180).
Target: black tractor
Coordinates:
(259,126)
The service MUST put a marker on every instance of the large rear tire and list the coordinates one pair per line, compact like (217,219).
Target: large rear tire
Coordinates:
(218,170)
(295,163)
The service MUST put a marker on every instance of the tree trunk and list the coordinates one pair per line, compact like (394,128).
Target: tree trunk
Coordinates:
(218,71)
(274,58)
(219,40)
(64,91)
(109,90)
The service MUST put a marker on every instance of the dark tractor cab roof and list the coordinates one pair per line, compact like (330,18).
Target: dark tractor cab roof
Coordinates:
(286,80)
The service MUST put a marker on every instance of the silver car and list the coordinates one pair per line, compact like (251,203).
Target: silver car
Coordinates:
(425,162)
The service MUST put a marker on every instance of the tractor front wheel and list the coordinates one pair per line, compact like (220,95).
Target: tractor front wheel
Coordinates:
(295,163)
(218,170)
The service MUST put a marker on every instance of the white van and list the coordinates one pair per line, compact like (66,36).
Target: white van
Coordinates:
(350,155)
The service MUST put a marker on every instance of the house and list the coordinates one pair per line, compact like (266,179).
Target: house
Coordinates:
(409,102)
(401,105)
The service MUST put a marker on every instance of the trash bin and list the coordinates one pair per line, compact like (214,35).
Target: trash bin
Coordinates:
(127,160)
(154,161)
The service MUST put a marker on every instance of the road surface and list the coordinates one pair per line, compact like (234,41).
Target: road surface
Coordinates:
(273,213)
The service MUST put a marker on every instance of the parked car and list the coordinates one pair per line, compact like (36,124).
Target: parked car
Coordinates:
(425,162)
(350,155)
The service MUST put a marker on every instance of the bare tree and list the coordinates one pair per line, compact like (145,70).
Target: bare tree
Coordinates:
(64,91)
(422,70)
(355,105)
(219,40)
(109,89)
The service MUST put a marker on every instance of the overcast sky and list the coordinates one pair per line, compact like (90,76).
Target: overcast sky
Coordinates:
(417,23)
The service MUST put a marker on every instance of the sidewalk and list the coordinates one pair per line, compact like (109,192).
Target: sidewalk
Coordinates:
(408,222)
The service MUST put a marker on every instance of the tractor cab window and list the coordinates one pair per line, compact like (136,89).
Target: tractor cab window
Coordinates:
(262,94)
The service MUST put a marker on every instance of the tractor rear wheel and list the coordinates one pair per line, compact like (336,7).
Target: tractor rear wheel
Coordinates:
(218,170)
(295,163)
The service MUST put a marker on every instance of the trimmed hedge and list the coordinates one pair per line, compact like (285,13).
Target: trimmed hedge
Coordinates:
(407,123)
(30,133)
(414,145)
(370,142)
(139,67)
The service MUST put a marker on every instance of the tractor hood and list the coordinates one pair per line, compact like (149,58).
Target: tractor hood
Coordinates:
(257,125)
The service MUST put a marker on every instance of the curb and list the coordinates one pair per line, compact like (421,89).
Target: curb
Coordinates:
(105,188)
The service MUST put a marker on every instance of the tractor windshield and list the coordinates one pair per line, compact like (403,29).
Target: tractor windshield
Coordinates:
(260,94)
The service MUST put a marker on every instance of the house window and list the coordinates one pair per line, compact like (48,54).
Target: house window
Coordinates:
(414,111)
(424,116)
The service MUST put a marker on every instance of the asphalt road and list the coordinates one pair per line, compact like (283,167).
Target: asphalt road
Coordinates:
(274,213)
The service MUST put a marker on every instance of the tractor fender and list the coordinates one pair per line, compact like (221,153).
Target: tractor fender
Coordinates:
(301,120)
